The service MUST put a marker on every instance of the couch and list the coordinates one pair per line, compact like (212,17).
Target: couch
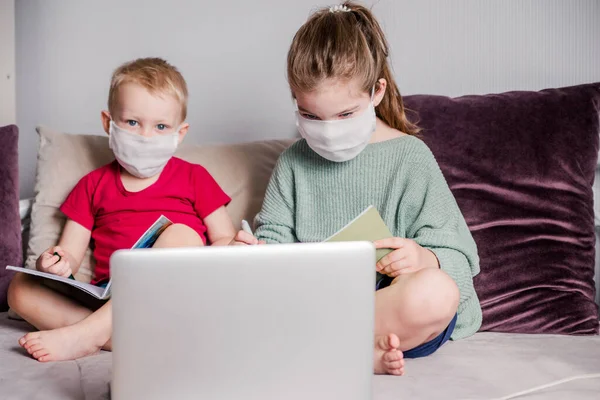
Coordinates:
(527,342)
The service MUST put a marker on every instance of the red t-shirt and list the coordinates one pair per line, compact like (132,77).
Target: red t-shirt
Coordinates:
(185,193)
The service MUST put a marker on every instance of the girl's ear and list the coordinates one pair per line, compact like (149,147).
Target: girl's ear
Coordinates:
(380,89)
(105,116)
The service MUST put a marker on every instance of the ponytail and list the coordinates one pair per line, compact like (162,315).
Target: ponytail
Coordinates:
(391,109)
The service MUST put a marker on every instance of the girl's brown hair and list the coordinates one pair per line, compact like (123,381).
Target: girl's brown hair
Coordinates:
(345,45)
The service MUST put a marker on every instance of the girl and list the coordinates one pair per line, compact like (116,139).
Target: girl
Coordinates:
(359,149)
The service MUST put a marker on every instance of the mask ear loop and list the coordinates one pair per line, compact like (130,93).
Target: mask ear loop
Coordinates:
(176,135)
(297,113)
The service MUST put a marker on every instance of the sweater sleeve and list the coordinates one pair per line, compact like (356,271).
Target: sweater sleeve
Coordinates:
(434,220)
(276,221)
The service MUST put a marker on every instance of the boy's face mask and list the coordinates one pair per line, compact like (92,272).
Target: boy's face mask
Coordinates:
(338,140)
(142,156)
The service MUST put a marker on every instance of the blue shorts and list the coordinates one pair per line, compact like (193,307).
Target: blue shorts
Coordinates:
(430,347)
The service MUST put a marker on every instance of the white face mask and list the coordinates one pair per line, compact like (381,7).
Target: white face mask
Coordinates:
(338,140)
(142,156)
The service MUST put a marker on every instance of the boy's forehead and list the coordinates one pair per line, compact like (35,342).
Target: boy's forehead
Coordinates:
(134,92)
(135,98)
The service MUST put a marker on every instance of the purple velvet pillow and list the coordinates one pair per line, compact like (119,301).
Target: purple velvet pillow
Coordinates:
(10,231)
(521,166)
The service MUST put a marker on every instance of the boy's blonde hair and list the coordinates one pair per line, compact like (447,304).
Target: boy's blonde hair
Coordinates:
(154,74)
(346,42)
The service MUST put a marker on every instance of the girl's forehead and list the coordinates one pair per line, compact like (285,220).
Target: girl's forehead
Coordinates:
(332,98)
(334,90)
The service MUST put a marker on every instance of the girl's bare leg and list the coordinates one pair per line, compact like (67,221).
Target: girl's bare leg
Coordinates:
(413,310)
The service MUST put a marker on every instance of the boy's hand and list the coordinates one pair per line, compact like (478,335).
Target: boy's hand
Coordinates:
(54,264)
(244,238)
(407,257)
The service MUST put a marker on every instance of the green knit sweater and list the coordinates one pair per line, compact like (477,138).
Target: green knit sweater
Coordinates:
(309,198)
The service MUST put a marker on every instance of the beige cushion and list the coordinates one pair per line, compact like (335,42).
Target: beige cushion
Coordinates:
(242,170)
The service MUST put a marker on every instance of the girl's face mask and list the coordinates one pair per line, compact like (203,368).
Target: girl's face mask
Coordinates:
(338,140)
(142,156)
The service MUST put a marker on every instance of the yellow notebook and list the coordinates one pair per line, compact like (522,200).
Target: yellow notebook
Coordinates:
(368,226)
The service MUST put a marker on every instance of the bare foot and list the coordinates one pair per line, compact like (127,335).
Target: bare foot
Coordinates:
(388,359)
(61,344)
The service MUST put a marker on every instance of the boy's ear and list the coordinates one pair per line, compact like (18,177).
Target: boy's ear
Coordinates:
(183,130)
(379,92)
(105,116)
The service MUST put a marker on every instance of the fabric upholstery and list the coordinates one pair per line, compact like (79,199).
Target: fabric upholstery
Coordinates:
(521,166)
(10,232)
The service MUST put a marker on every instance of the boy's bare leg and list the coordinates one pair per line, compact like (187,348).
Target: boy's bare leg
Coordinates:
(81,339)
(413,310)
(178,235)
(73,331)
(41,306)
(51,312)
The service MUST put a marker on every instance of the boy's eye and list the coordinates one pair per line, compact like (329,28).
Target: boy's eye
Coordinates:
(161,127)
(346,115)
(131,122)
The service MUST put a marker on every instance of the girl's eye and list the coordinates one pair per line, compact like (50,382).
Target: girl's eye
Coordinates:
(346,115)
(310,116)
(131,122)
(161,127)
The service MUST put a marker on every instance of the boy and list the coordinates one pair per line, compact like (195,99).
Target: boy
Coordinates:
(114,205)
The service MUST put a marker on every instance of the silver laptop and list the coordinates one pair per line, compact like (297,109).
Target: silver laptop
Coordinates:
(253,322)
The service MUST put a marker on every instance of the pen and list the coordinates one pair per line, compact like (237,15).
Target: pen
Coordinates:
(246,227)
(60,258)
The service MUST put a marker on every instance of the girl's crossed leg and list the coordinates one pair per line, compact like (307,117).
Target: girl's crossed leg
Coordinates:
(414,309)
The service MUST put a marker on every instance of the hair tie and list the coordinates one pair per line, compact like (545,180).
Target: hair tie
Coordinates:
(339,8)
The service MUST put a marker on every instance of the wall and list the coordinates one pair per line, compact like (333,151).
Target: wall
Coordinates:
(233,56)
(7,63)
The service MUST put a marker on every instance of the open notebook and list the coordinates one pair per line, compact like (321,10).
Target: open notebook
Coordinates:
(147,240)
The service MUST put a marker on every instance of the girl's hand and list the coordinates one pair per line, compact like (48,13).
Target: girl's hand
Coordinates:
(54,264)
(244,238)
(407,257)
